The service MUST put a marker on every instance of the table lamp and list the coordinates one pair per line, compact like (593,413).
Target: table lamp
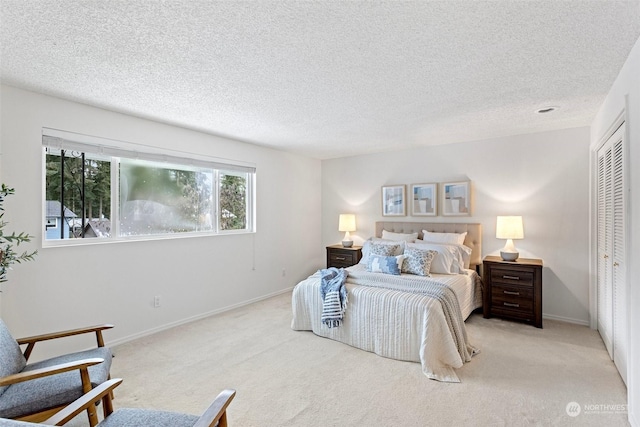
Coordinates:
(347,223)
(509,227)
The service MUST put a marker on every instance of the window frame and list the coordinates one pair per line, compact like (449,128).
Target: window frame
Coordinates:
(249,213)
(117,150)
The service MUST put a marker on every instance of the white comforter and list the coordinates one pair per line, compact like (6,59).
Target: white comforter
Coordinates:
(393,323)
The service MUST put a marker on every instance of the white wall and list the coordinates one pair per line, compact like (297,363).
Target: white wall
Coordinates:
(68,287)
(625,95)
(543,177)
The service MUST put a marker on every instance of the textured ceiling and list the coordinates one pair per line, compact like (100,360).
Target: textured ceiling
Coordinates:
(326,78)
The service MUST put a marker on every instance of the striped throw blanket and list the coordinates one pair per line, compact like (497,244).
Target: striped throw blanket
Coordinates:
(334,295)
(431,288)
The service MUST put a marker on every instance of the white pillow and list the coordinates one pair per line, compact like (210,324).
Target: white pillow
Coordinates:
(455,238)
(464,252)
(407,237)
(447,260)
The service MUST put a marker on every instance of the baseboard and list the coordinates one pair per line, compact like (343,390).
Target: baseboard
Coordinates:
(566,319)
(192,319)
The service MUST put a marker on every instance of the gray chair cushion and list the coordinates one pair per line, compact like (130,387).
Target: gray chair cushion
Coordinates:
(43,393)
(14,423)
(11,359)
(147,418)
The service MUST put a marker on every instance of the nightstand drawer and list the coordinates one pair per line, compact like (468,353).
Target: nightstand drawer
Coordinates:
(512,298)
(512,276)
(341,258)
(512,313)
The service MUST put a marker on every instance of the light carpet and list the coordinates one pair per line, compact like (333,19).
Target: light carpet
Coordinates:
(523,376)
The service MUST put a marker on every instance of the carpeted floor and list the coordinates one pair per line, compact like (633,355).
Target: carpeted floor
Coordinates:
(523,375)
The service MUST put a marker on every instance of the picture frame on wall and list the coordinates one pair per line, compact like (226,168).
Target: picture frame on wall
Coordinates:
(393,200)
(424,199)
(456,198)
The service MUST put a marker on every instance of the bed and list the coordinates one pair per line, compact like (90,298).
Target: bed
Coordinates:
(403,317)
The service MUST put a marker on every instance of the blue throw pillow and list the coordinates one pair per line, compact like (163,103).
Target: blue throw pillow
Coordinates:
(384,264)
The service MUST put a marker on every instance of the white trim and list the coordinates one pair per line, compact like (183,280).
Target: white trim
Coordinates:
(111,147)
(566,319)
(47,244)
(628,214)
(115,197)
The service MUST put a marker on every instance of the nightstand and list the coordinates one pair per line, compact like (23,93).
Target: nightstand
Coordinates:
(513,289)
(339,256)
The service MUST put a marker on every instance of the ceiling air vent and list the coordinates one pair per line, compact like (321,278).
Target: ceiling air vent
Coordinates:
(545,110)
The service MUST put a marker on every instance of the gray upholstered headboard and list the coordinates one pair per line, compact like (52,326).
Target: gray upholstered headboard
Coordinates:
(473,239)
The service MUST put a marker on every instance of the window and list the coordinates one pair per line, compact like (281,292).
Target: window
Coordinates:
(81,183)
(233,200)
(98,191)
(158,198)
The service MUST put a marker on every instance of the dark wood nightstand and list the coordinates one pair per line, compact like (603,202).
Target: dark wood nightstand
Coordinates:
(513,289)
(339,256)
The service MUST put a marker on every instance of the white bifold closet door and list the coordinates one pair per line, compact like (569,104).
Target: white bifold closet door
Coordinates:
(611,266)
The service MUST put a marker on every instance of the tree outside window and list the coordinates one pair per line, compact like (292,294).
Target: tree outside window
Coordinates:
(233,201)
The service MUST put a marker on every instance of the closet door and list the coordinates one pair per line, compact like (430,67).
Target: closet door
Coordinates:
(618,277)
(611,266)
(605,291)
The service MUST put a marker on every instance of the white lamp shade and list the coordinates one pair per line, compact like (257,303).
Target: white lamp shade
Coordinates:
(347,222)
(509,227)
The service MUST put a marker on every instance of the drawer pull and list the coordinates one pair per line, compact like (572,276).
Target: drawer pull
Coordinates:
(511,292)
(341,258)
(509,304)
(511,277)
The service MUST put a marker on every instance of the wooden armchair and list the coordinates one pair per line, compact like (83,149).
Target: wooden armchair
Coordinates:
(215,415)
(36,391)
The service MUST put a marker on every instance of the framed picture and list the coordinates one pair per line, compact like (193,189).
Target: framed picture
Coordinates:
(424,199)
(393,203)
(456,198)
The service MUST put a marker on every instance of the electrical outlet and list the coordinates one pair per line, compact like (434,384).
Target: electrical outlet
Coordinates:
(284,272)
(156,301)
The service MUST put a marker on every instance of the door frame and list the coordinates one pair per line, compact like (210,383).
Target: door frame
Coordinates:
(620,120)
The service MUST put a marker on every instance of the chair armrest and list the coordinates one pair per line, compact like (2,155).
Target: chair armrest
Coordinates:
(83,403)
(51,370)
(31,341)
(216,413)
(62,334)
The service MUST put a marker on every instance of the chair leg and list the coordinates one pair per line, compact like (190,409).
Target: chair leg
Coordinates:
(107,402)
(222,422)
(107,405)
(86,388)
(111,392)
(93,416)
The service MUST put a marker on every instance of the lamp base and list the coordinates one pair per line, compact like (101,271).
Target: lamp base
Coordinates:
(509,256)
(347,243)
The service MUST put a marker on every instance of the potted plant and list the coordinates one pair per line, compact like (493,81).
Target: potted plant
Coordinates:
(8,256)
